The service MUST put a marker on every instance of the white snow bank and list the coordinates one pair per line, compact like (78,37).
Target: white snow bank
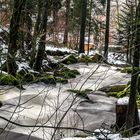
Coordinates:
(106,134)
(22,65)
(62,49)
(116,58)
(123,101)
(98,134)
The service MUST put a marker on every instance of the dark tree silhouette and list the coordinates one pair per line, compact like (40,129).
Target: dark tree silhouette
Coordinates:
(132,113)
(14,35)
(83,25)
(65,41)
(42,42)
(107,30)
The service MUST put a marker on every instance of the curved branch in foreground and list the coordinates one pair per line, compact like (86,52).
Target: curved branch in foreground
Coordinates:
(45,126)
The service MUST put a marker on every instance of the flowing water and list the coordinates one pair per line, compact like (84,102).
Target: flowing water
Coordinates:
(47,105)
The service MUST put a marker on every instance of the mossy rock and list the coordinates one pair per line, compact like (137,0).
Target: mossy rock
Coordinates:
(55,65)
(47,79)
(81,93)
(29,77)
(115,88)
(66,73)
(127,70)
(8,80)
(84,59)
(61,80)
(97,58)
(70,59)
(76,72)
(119,94)
(22,72)
(65,69)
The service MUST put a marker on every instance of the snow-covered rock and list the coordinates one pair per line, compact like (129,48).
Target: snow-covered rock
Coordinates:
(123,101)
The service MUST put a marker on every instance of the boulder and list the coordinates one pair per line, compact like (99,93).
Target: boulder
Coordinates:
(8,80)
(70,59)
(98,58)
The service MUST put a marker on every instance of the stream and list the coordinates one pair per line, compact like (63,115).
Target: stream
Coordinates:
(48,105)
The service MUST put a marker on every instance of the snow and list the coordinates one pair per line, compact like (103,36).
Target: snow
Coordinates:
(63,49)
(3,29)
(123,101)
(88,138)
(102,134)
(109,137)
(22,65)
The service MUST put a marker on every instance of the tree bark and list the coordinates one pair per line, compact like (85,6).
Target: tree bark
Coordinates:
(42,42)
(132,113)
(107,29)
(65,41)
(89,28)
(36,33)
(83,25)
(13,36)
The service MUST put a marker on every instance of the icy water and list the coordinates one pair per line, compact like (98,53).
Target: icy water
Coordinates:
(47,105)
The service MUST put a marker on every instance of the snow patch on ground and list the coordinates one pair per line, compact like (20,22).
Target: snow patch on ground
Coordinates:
(99,134)
(22,65)
(63,49)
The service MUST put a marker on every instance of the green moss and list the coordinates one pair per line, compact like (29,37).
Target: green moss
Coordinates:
(138,103)
(127,70)
(115,88)
(84,59)
(66,73)
(118,94)
(97,58)
(82,93)
(70,59)
(22,72)
(76,72)
(47,79)
(8,80)
(61,80)
(29,77)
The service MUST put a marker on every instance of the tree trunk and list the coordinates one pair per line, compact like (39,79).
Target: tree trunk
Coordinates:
(121,111)
(89,28)
(36,33)
(83,25)
(42,42)
(65,41)
(132,119)
(107,30)
(13,36)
